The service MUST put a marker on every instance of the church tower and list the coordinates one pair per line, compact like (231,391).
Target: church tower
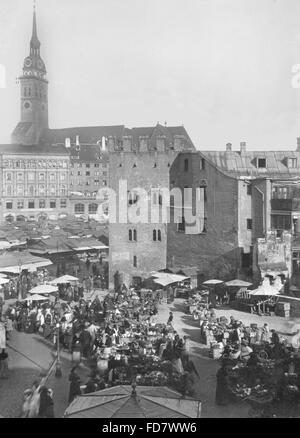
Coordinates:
(34,95)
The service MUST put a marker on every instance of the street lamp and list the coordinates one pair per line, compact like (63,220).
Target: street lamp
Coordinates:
(58,372)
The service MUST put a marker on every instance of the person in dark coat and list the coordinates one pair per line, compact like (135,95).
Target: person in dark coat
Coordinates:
(74,380)
(46,403)
(222,389)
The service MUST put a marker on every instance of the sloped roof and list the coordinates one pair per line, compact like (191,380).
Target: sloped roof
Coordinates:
(87,134)
(238,164)
(168,131)
(90,152)
(33,149)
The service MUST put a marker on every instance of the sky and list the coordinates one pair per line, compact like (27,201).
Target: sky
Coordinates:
(221,68)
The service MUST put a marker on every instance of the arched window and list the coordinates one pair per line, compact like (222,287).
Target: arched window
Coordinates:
(135,261)
(159,235)
(63,190)
(134,235)
(130,235)
(93,208)
(79,208)
(31,190)
(42,189)
(154,235)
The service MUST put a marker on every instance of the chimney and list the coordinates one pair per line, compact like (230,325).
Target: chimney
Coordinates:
(77,140)
(298,144)
(243,147)
(67,142)
(103,144)
(228,147)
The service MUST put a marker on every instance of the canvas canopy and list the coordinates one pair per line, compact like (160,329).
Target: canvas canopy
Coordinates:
(17,261)
(238,283)
(44,289)
(65,279)
(124,402)
(165,279)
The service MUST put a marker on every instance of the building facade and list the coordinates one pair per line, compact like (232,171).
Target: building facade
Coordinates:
(141,161)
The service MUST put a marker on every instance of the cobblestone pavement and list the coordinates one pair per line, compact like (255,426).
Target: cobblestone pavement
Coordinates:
(29,358)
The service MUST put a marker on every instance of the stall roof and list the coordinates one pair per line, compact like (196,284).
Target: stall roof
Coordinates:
(12,261)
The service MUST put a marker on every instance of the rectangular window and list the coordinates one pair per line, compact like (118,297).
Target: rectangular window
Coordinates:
(52,203)
(78,173)
(132,235)
(63,203)
(20,176)
(9,205)
(30,204)
(42,203)
(186,165)
(261,163)
(30,176)
(20,205)
(202,164)
(8,177)
(96,165)
(135,261)
(281,222)
(52,177)
(249,189)
(292,163)
(41,177)
(87,166)
(87,173)
(20,190)
(181,225)
(249,224)
(280,193)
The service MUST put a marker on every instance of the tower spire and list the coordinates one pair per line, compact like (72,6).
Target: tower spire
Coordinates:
(34,42)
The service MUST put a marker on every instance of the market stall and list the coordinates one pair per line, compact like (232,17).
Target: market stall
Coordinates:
(134,402)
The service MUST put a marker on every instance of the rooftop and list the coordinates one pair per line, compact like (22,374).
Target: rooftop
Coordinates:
(249,163)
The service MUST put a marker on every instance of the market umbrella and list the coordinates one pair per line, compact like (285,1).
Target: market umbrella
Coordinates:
(65,279)
(127,402)
(213,282)
(238,283)
(43,289)
(36,297)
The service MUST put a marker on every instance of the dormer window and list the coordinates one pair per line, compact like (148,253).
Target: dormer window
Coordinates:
(292,163)
(261,163)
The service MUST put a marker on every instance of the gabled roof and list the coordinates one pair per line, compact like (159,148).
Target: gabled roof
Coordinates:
(235,163)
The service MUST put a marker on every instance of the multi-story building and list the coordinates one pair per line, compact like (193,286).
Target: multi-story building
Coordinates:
(89,166)
(247,196)
(141,161)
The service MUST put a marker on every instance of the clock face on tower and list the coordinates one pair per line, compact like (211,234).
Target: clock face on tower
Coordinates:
(27,105)
(28,62)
